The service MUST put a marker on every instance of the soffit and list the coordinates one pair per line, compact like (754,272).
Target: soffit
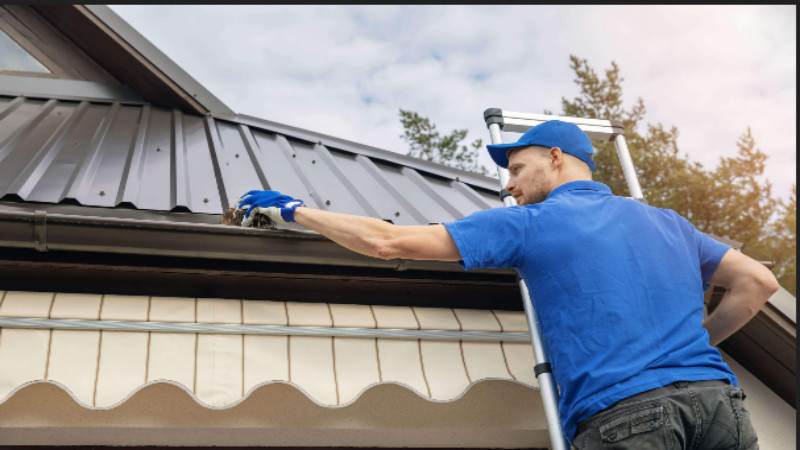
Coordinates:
(179,382)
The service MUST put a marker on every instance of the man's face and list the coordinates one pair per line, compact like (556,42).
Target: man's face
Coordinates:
(531,176)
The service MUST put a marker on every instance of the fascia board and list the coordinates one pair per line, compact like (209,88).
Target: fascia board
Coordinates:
(62,89)
(161,61)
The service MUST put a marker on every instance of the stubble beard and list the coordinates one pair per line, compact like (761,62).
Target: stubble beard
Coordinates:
(538,196)
(540,190)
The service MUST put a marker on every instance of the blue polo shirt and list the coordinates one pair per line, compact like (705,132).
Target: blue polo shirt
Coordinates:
(617,286)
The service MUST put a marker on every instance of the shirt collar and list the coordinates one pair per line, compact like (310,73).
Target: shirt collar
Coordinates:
(580,185)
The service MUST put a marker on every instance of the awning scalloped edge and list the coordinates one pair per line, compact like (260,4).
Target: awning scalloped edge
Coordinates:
(250,392)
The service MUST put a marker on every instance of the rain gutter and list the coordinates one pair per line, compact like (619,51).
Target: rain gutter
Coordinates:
(45,231)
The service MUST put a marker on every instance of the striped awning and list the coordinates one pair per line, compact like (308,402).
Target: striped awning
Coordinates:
(212,386)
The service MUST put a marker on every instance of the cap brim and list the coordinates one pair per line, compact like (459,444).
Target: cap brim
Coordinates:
(498,152)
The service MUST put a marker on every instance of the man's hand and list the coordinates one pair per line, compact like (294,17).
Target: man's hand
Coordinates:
(278,207)
(749,284)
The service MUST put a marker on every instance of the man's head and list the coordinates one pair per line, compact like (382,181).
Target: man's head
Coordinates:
(534,171)
(546,156)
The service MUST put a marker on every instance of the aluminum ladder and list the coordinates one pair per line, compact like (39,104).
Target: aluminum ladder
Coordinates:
(600,130)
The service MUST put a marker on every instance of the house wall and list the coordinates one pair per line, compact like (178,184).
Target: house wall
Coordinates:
(775,421)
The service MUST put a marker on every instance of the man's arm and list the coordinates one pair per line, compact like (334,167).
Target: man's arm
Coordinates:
(380,239)
(749,285)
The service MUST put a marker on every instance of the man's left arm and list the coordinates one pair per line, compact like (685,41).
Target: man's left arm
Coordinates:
(749,285)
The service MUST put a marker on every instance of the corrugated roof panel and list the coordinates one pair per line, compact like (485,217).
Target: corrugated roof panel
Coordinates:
(58,168)
(415,193)
(448,194)
(491,198)
(235,164)
(355,201)
(370,189)
(402,210)
(203,193)
(20,148)
(479,202)
(153,180)
(81,188)
(5,102)
(180,197)
(16,117)
(326,186)
(280,169)
(145,157)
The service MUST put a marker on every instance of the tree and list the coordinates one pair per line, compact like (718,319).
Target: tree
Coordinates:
(426,143)
(785,252)
(729,201)
(780,243)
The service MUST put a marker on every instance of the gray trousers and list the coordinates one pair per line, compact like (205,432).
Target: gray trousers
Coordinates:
(682,415)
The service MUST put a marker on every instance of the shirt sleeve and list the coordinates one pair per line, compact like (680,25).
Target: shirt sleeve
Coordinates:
(492,238)
(710,252)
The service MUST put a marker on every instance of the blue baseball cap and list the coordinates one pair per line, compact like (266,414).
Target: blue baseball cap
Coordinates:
(553,133)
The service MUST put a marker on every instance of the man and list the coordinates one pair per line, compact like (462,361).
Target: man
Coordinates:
(617,285)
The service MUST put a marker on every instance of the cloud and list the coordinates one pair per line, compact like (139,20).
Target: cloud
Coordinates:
(711,71)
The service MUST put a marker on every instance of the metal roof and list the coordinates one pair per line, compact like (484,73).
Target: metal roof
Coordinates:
(113,154)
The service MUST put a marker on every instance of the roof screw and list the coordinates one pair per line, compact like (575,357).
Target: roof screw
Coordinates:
(294,155)
(313,161)
(319,142)
(158,149)
(205,200)
(237,155)
(75,143)
(102,193)
(397,213)
(328,202)
(458,179)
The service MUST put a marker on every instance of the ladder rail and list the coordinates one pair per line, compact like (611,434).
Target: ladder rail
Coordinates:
(547,383)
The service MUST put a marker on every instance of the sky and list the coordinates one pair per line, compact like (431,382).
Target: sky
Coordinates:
(711,71)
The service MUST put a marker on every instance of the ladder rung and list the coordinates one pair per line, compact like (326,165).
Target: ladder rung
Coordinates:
(598,129)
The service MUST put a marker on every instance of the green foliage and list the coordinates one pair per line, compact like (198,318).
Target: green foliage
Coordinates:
(785,244)
(780,243)
(426,143)
(730,201)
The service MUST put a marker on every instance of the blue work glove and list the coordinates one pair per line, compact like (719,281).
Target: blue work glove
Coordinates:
(278,207)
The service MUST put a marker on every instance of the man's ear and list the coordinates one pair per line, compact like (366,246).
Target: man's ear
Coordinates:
(556,157)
